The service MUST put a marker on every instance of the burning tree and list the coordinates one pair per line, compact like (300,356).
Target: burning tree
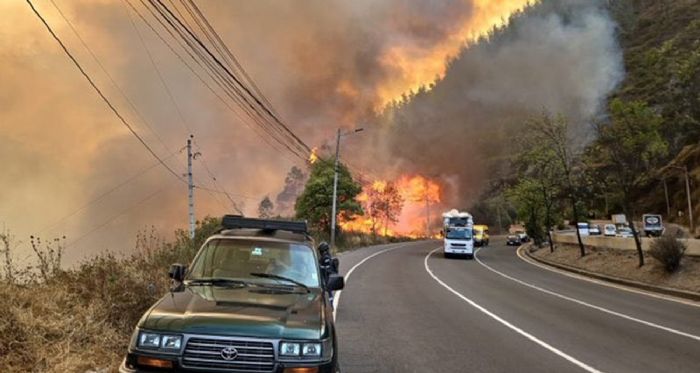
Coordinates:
(384,204)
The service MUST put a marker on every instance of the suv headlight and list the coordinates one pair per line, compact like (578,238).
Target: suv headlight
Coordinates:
(158,340)
(304,351)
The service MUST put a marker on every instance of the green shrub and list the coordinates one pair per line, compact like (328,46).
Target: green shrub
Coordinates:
(669,251)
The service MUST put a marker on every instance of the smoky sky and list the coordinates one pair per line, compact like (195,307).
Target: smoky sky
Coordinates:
(558,56)
(323,65)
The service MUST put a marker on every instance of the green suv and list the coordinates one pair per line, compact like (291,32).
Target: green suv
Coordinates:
(254,299)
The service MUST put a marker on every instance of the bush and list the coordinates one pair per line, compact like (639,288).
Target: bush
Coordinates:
(668,250)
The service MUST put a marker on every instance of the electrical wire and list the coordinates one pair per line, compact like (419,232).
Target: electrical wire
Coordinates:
(195,43)
(99,92)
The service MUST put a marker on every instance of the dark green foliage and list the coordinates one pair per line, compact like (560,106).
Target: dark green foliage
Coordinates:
(315,202)
(661,43)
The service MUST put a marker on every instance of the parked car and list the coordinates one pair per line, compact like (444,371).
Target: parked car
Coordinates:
(594,230)
(255,299)
(609,230)
(625,232)
(583,228)
(523,236)
(513,240)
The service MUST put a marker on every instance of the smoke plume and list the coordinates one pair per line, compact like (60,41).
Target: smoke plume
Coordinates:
(560,56)
(323,64)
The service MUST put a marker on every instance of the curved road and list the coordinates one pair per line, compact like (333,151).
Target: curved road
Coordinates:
(406,308)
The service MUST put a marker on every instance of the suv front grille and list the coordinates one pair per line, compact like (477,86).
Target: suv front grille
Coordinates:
(253,356)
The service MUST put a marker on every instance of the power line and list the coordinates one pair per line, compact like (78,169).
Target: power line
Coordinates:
(104,98)
(172,49)
(118,215)
(102,195)
(111,79)
(179,112)
(223,79)
(186,34)
(114,83)
(231,58)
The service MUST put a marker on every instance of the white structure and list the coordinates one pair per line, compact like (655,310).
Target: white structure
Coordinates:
(458,233)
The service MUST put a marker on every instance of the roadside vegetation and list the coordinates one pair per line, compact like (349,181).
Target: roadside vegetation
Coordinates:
(648,133)
(55,319)
(80,319)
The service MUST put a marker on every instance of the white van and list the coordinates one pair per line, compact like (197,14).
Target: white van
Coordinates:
(459,234)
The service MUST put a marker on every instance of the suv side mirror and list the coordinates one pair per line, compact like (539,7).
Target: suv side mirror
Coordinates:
(177,272)
(336,282)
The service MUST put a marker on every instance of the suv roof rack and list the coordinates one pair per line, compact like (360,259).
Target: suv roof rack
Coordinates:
(239,222)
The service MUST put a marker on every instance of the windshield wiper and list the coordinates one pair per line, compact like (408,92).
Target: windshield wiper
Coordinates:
(217,282)
(278,277)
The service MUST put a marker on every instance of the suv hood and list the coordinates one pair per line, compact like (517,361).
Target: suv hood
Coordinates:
(247,312)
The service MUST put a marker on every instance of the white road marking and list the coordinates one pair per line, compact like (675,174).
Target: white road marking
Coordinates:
(577,301)
(336,296)
(606,283)
(529,336)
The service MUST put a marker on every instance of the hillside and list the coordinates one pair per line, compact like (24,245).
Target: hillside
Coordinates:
(661,48)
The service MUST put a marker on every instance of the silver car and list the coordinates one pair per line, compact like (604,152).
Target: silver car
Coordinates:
(625,232)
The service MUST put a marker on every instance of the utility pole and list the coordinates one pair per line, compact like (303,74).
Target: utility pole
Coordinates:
(668,204)
(334,212)
(427,208)
(691,224)
(335,188)
(690,203)
(190,187)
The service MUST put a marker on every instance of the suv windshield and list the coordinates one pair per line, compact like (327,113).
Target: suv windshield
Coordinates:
(246,259)
(459,233)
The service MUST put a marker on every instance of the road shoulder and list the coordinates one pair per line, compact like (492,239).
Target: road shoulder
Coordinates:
(668,293)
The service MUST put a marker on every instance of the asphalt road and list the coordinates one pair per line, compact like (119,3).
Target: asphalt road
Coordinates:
(406,308)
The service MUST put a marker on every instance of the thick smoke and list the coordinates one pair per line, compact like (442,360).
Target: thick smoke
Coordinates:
(560,56)
(323,64)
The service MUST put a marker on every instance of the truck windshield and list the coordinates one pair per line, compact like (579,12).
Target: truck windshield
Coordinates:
(246,259)
(459,233)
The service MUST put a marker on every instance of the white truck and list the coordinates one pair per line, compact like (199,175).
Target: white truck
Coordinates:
(653,226)
(458,234)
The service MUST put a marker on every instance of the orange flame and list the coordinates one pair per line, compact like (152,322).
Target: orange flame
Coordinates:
(419,195)
(313,157)
(415,67)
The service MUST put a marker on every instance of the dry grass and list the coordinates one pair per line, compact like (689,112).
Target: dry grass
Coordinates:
(81,320)
(624,264)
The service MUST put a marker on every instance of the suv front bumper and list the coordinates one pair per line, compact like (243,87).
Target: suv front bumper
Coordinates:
(329,367)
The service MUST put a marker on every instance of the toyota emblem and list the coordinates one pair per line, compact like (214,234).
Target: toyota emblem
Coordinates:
(229,353)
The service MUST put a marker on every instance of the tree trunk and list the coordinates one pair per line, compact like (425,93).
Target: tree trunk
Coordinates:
(638,243)
(578,234)
(548,219)
(548,225)
(637,240)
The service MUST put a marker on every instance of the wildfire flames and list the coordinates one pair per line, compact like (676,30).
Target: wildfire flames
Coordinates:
(419,195)
(313,157)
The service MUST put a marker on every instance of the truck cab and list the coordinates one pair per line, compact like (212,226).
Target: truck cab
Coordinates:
(254,299)
(459,234)
(653,226)
(481,235)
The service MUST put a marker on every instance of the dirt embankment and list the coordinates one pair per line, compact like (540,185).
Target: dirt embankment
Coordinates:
(624,264)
